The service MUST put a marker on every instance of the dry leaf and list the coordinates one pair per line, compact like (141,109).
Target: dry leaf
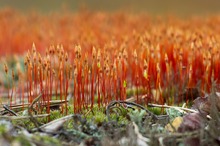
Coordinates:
(176,124)
(202,105)
(190,122)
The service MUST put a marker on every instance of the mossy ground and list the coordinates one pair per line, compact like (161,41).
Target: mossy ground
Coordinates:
(95,117)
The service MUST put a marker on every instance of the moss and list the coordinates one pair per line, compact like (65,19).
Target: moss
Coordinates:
(30,125)
(55,114)
(26,123)
(46,140)
(156,110)
(97,115)
(2,129)
(120,119)
(120,115)
(22,140)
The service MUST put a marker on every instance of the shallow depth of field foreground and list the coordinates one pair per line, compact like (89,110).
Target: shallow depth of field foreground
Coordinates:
(101,78)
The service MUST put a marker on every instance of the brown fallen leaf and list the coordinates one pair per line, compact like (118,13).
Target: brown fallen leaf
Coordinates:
(191,122)
(202,104)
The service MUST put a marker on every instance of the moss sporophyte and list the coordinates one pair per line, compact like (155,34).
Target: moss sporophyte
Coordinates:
(151,59)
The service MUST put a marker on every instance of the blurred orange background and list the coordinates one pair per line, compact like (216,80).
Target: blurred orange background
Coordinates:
(177,7)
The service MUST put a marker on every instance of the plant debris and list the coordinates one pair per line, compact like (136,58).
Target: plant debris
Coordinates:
(144,128)
(113,79)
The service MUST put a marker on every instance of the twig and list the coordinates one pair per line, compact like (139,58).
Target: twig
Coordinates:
(9,110)
(54,125)
(90,110)
(181,109)
(30,108)
(23,117)
(53,103)
(167,106)
(35,101)
(128,103)
(118,108)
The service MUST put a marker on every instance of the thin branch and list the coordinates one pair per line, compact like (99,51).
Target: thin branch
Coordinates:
(128,103)
(181,109)
(23,117)
(9,110)
(30,108)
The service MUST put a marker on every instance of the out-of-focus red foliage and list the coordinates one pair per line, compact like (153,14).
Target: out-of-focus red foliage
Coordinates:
(154,54)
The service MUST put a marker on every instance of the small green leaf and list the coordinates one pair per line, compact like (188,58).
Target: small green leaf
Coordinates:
(98,65)
(145,75)
(124,84)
